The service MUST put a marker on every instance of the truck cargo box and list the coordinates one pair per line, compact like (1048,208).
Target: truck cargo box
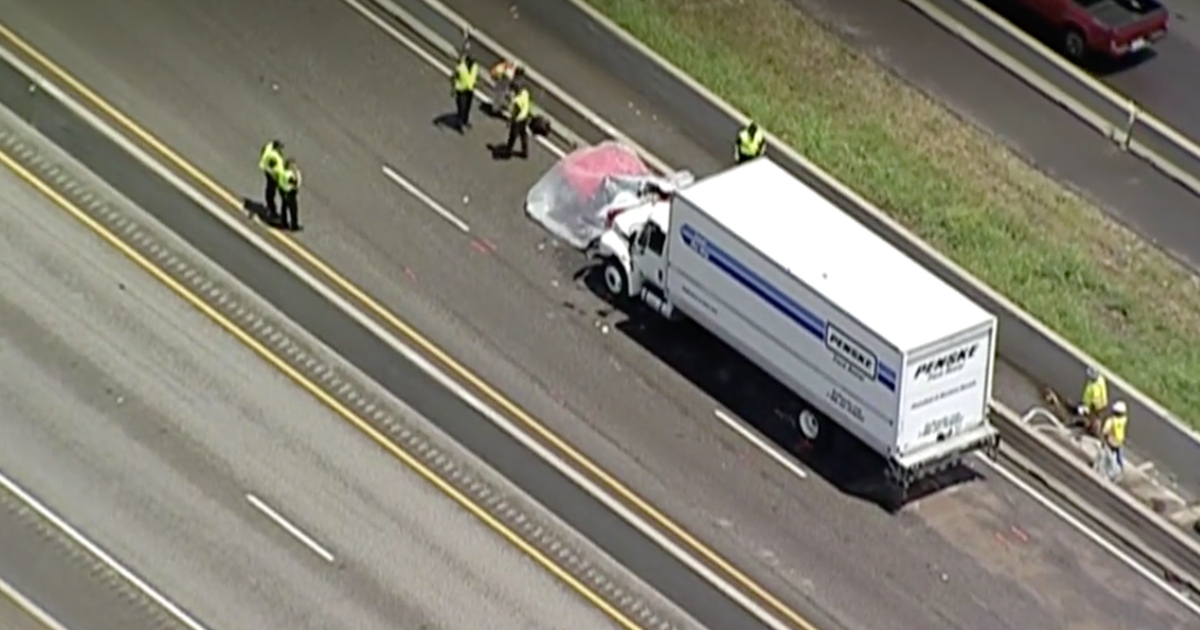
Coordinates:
(865,334)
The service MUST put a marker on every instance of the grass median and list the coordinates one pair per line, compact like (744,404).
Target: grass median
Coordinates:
(963,191)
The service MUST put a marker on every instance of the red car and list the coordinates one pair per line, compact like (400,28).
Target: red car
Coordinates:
(1102,28)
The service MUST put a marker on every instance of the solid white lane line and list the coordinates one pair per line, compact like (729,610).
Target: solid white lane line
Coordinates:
(432,203)
(290,528)
(762,443)
(29,607)
(1093,536)
(100,554)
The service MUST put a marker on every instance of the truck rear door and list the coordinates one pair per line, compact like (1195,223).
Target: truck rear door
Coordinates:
(945,391)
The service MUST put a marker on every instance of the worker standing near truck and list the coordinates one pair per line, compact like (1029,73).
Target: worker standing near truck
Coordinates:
(269,162)
(289,187)
(1111,460)
(466,75)
(1093,404)
(520,112)
(750,143)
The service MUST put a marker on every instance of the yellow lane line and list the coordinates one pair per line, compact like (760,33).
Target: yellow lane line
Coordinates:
(535,426)
(320,394)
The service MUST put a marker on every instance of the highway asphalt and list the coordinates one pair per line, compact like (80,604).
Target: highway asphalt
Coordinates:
(348,100)
(147,427)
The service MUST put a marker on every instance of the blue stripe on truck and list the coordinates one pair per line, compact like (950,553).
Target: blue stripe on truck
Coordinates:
(805,318)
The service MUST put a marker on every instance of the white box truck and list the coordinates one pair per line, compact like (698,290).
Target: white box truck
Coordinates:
(864,335)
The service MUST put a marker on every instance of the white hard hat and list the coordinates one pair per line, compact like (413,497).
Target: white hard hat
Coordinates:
(1119,407)
(1092,372)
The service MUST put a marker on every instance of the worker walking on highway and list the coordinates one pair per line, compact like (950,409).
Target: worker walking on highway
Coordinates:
(1093,404)
(1111,461)
(519,113)
(270,161)
(750,143)
(289,187)
(466,74)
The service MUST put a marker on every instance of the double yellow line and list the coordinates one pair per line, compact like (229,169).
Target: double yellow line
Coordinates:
(533,426)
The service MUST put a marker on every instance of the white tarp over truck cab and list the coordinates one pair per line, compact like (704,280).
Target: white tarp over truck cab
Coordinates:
(878,343)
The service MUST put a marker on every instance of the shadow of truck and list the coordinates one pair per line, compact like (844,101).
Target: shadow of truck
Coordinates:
(758,399)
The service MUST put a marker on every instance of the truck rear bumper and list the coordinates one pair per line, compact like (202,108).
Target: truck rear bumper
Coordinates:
(927,461)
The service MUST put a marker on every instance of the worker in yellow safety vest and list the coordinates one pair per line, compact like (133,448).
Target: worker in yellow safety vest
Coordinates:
(1113,440)
(269,162)
(466,75)
(520,112)
(751,143)
(289,181)
(1093,404)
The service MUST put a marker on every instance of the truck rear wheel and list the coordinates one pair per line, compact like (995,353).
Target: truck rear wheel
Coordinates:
(809,425)
(616,281)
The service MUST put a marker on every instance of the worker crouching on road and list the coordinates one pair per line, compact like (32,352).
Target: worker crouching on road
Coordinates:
(505,74)
(1093,404)
(750,143)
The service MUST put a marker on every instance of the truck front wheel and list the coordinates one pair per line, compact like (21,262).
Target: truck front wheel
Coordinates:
(1075,45)
(616,281)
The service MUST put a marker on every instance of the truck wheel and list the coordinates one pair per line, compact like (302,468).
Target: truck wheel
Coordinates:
(615,279)
(1075,45)
(809,425)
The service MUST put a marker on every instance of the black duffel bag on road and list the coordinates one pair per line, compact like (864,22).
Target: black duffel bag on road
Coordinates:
(540,125)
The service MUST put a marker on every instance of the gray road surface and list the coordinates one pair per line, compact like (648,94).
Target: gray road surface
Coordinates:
(145,425)
(347,100)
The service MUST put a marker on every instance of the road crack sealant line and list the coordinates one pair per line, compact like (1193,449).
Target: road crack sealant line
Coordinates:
(149,613)
(518,513)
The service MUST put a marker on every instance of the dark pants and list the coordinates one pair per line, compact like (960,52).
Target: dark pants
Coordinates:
(462,107)
(518,129)
(269,195)
(744,157)
(291,210)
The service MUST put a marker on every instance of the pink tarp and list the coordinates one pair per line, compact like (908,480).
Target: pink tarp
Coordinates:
(574,199)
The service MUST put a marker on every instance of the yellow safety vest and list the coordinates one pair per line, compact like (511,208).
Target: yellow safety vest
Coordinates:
(750,145)
(1095,395)
(1115,429)
(465,76)
(521,106)
(271,159)
(289,179)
